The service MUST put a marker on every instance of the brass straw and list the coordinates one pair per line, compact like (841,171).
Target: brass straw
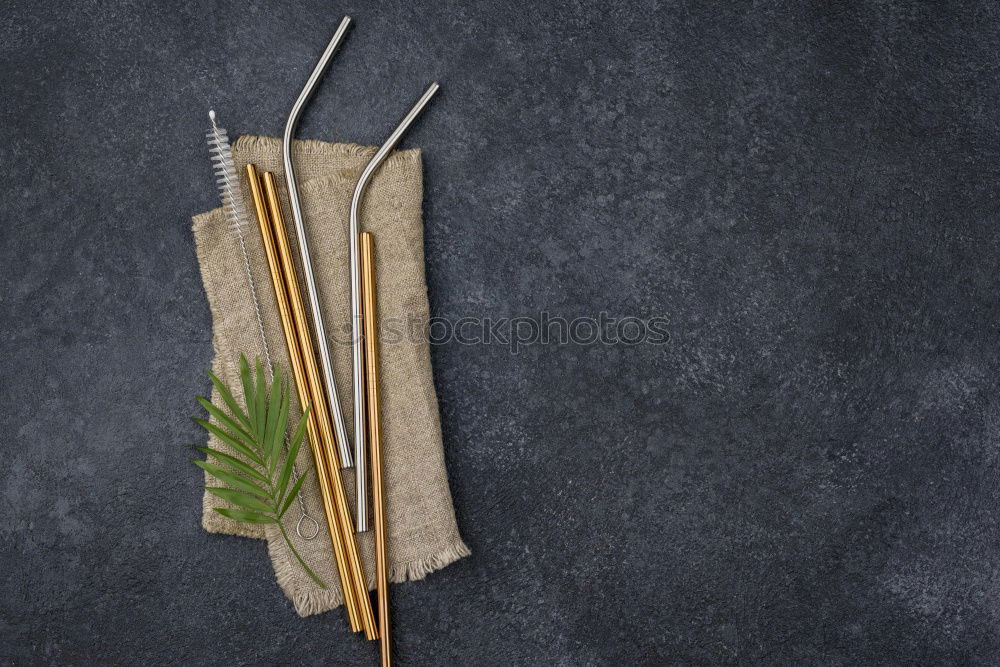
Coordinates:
(302,388)
(370,316)
(320,409)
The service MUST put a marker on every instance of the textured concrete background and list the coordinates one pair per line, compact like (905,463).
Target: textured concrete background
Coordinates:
(806,473)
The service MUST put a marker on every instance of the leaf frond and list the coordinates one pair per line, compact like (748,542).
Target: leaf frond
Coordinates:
(255,474)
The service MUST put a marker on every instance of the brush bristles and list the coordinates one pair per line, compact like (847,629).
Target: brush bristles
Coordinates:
(226,177)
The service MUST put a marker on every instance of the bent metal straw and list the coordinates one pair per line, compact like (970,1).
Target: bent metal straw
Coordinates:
(305,399)
(375,443)
(361,474)
(303,242)
(320,408)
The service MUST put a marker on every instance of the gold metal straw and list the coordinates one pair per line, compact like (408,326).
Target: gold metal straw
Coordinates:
(370,316)
(320,409)
(305,398)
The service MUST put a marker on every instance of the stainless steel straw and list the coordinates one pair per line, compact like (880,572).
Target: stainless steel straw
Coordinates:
(293,196)
(361,473)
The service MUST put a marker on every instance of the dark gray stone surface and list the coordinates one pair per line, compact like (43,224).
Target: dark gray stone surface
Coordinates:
(805,473)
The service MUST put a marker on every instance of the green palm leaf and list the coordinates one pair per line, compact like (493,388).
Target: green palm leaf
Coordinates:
(232,462)
(248,392)
(248,517)
(280,427)
(260,408)
(271,446)
(230,440)
(232,479)
(227,397)
(224,419)
(291,496)
(239,498)
(293,451)
(255,474)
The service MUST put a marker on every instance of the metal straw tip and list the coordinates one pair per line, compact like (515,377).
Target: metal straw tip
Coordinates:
(428,94)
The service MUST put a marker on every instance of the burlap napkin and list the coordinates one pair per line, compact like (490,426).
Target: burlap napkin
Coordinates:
(423,534)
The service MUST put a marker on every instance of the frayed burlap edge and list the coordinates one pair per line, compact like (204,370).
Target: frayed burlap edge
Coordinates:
(311,600)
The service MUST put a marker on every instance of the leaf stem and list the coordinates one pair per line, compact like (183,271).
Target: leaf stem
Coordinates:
(299,558)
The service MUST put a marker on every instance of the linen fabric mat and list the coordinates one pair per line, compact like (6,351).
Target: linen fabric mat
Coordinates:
(422,532)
